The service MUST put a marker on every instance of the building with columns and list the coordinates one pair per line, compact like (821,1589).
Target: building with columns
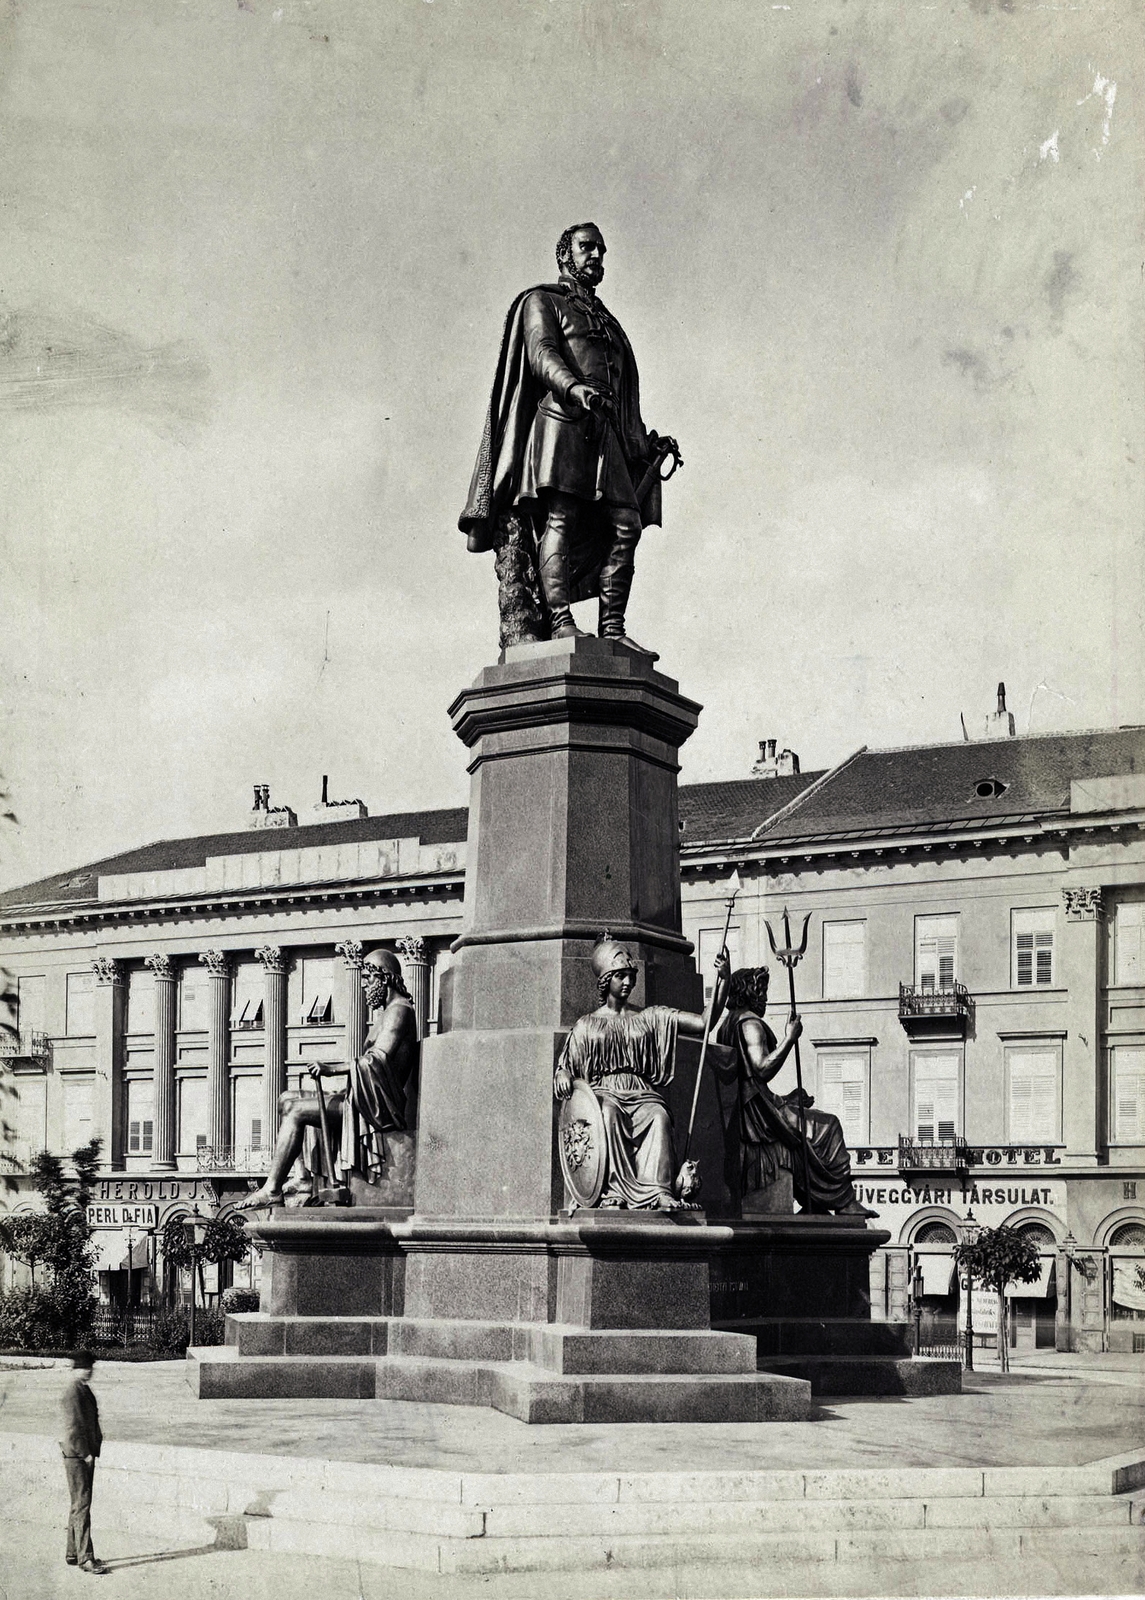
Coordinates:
(973,994)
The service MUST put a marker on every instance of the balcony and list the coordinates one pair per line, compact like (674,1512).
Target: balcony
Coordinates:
(29,1044)
(929,1013)
(232,1158)
(949,1158)
(16,1156)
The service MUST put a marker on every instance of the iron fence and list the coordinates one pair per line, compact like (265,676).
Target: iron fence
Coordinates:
(116,1325)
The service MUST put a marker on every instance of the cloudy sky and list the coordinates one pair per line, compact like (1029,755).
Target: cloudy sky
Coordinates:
(880,263)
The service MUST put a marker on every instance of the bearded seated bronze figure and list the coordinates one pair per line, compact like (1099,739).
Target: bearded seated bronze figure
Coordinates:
(771,1129)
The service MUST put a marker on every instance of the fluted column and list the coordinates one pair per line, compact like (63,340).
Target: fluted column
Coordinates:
(1079,973)
(415,968)
(218,1039)
(355,1007)
(107,1109)
(274,1032)
(166,978)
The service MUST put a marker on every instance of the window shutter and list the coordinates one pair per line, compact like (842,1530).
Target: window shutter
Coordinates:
(936,1098)
(256,1133)
(936,952)
(133,1136)
(843,1084)
(1130,943)
(147,1141)
(1129,1095)
(1033,947)
(844,960)
(1033,1096)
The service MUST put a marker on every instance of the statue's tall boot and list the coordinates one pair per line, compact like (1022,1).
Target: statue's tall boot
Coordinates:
(553,565)
(616,580)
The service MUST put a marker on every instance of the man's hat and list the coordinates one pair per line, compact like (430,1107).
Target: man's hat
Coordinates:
(609,957)
(385,961)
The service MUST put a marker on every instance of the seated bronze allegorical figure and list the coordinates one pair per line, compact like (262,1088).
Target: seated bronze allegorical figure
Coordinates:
(619,1154)
(771,1140)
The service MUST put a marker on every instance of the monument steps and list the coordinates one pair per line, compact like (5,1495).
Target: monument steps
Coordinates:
(825,1524)
(870,1375)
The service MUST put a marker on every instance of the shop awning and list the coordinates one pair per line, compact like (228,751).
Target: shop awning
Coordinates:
(937,1273)
(1127,1290)
(111,1246)
(1042,1289)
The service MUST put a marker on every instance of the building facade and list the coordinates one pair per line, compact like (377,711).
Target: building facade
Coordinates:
(973,994)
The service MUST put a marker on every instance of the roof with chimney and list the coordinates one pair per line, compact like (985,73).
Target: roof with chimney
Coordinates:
(870,794)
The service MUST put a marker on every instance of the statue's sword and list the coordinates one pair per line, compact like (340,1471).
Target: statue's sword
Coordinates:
(790,956)
(666,450)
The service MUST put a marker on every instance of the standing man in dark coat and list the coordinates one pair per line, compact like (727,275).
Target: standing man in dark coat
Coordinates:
(565,445)
(81,1442)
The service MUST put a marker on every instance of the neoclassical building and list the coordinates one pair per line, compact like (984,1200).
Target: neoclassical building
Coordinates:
(973,993)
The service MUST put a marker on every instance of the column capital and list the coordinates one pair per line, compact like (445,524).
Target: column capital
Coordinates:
(271,957)
(1083,905)
(216,963)
(160,965)
(107,969)
(351,952)
(414,950)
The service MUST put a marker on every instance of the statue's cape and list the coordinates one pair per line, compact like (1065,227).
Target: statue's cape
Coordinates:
(512,406)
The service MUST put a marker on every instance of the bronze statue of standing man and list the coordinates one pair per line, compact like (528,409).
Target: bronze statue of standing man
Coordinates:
(567,476)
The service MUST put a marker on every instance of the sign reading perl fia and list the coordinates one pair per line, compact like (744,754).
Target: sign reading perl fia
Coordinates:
(122,1216)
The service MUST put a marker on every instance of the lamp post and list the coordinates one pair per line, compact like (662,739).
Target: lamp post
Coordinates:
(196,1230)
(916,1303)
(970,1232)
(1069,1246)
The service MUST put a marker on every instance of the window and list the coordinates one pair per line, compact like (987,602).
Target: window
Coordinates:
(935,952)
(709,948)
(248,991)
(140,1000)
(140,1117)
(1033,948)
(80,1004)
(318,990)
(1128,1075)
(843,1090)
(936,1093)
(193,999)
(844,960)
(192,1114)
(1129,943)
(30,1005)
(1034,1095)
(31,1112)
(78,1096)
(247,1112)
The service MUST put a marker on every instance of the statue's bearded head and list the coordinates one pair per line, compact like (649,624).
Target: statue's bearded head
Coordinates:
(381,973)
(747,989)
(580,253)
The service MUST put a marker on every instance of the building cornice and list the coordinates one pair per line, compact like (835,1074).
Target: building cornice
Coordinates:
(226,903)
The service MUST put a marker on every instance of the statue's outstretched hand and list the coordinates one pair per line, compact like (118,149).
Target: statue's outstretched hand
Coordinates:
(724,964)
(590,397)
(315,1070)
(562,1083)
(795,1028)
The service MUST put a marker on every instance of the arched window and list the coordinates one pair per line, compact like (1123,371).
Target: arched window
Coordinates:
(1039,1234)
(935,1233)
(1129,1236)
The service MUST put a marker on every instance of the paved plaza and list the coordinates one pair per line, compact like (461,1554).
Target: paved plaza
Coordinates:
(1056,1412)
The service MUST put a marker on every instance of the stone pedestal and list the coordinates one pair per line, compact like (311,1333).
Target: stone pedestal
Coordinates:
(491,1293)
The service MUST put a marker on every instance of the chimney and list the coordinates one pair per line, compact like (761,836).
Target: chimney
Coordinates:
(328,810)
(325,789)
(1000,724)
(264,815)
(771,765)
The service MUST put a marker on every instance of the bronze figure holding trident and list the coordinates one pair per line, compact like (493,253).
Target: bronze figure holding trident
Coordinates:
(783,1132)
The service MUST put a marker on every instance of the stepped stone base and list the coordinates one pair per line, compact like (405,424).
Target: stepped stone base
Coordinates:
(535,1372)
(847,1355)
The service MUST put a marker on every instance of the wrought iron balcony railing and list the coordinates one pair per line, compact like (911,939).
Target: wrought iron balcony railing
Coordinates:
(232,1158)
(922,1010)
(947,1156)
(29,1044)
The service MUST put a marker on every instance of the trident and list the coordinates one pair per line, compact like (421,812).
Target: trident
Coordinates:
(733,886)
(790,956)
